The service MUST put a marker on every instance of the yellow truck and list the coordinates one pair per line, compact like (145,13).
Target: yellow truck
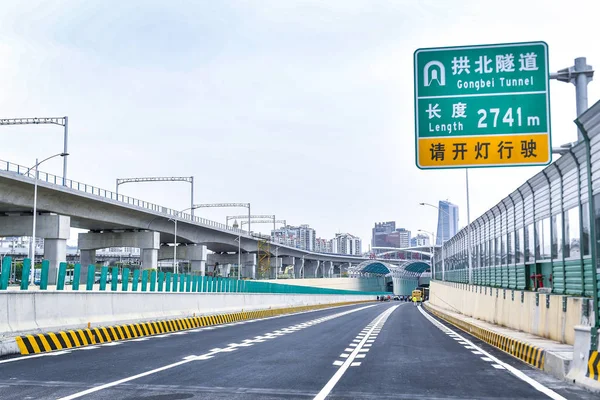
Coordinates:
(418,295)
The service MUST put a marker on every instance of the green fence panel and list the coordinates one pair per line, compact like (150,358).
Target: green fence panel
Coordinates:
(194,283)
(135,280)
(5,272)
(114,280)
(144,282)
(125,280)
(76,276)
(174,282)
(167,282)
(161,281)
(62,274)
(188,283)
(91,275)
(24,273)
(153,279)
(182,282)
(103,278)
(44,275)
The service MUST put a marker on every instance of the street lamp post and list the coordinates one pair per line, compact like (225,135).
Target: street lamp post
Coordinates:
(276,261)
(432,249)
(35,186)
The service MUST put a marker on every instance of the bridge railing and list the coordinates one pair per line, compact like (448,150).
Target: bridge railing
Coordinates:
(107,194)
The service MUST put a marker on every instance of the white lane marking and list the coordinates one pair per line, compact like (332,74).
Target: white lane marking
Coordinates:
(486,359)
(497,366)
(355,354)
(188,359)
(354,364)
(535,384)
(89,348)
(112,344)
(349,350)
(338,362)
(58,353)
(476,352)
(139,340)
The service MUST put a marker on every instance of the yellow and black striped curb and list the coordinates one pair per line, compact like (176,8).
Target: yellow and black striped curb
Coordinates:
(593,370)
(530,354)
(50,341)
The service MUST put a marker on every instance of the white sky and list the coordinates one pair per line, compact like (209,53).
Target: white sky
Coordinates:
(303,108)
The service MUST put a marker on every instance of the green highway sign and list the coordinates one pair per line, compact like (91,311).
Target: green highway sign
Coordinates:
(486,105)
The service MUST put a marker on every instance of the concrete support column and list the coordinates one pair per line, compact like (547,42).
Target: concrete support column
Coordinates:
(298,267)
(149,258)
(55,251)
(87,257)
(147,242)
(310,268)
(198,267)
(54,229)
(328,269)
(195,254)
(248,260)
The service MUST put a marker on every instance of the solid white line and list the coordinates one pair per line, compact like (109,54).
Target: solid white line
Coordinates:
(538,386)
(115,383)
(342,370)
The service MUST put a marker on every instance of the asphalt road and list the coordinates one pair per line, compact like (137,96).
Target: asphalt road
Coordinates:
(374,351)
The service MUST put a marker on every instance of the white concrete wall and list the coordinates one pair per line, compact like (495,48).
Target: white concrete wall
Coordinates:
(29,312)
(360,284)
(524,316)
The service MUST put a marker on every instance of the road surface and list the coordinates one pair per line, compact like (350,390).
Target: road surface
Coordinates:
(386,350)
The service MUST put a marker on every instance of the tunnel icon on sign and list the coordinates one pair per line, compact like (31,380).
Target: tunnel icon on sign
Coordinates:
(434,71)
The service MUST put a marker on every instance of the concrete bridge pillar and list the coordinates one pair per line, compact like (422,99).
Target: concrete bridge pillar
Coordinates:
(311,268)
(328,269)
(299,267)
(228,260)
(54,229)
(147,242)
(195,254)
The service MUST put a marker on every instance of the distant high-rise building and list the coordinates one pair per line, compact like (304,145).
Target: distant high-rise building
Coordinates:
(380,233)
(403,237)
(302,237)
(420,240)
(345,243)
(322,245)
(447,221)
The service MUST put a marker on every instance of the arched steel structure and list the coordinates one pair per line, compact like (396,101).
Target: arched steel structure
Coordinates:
(405,274)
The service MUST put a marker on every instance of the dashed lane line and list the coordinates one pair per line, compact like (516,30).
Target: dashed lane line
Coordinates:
(535,384)
(212,353)
(369,330)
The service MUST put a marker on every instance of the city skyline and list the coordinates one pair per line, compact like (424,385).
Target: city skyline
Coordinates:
(263,87)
